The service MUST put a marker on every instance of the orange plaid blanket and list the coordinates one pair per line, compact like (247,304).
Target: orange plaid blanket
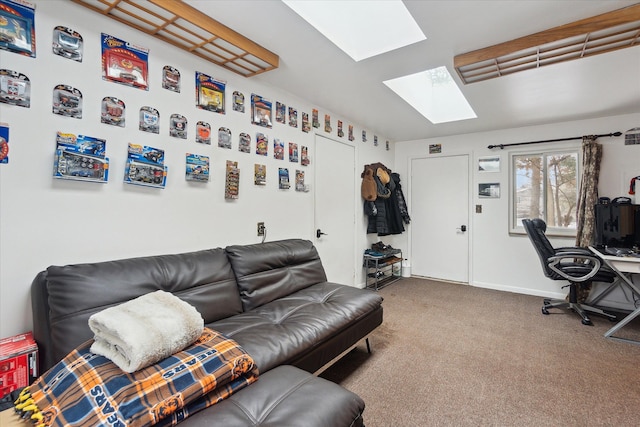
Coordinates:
(88,389)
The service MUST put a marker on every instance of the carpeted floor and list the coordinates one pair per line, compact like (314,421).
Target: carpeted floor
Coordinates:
(456,355)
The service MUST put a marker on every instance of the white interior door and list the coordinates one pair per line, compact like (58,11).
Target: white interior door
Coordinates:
(335,199)
(439,214)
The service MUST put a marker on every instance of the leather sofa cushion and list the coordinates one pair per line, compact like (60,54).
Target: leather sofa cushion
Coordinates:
(284,330)
(268,271)
(285,397)
(203,279)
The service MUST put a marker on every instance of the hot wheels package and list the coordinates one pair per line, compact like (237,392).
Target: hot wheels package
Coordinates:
(145,166)
(197,168)
(80,158)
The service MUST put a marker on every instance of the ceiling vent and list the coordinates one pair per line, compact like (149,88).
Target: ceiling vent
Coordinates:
(592,36)
(181,25)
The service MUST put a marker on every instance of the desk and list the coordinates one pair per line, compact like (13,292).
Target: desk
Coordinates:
(622,265)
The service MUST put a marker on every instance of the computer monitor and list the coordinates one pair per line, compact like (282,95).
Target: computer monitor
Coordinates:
(617,225)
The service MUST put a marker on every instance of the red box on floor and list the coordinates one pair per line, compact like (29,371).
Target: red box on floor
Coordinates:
(18,362)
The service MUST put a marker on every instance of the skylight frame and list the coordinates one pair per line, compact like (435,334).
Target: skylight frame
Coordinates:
(434,94)
(361,29)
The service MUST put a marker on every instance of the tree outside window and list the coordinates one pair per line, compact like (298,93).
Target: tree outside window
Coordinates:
(545,185)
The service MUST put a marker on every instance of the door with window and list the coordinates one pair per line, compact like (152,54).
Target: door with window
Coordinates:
(439,218)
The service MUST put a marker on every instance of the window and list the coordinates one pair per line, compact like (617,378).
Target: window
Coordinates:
(545,185)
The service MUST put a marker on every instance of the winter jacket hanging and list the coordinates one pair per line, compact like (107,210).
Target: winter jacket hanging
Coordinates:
(388,211)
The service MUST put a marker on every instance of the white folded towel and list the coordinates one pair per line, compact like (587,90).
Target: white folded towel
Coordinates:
(145,330)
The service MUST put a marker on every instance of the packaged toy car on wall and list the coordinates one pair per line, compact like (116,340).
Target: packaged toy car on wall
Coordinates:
(262,144)
(210,93)
(283,179)
(171,78)
(293,152)
(224,138)
(124,63)
(17,29)
(67,43)
(232,181)
(197,168)
(260,111)
(244,143)
(300,185)
(112,111)
(203,133)
(15,88)
(149,120)
(67,101)
(80,158)
(238,102)
(145,166)
(178,126)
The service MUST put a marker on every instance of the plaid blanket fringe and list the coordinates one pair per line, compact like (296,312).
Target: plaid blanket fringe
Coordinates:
(88,389)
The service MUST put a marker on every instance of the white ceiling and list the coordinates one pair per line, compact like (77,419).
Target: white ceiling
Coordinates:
(314,69)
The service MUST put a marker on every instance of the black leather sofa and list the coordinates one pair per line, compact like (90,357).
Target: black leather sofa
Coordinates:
(272,298)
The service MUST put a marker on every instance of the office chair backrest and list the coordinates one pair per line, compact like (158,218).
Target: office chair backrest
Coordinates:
(535,229)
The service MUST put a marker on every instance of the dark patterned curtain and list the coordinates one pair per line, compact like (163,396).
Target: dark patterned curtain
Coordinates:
(587,198)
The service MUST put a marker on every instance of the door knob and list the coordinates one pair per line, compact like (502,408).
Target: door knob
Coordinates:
(462,228)
(320,233)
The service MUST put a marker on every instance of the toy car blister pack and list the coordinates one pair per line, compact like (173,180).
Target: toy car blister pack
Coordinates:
(197,168)
(149,120)
(238,102)
(124,63)
(171,78)
(145,166)
(224,138)
(260,111)
(15,88)
(244,143)
(283,179)
(232,180)
(113,111)
(67,101)
(210,93)
(67,43)
(80,158)
(203,133)
(178,126)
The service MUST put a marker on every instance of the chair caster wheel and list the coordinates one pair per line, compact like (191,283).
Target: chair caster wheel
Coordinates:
(545,311)
(613,319)
(587,322)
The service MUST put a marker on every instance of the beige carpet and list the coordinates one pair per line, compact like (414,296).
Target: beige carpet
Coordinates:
(455,355)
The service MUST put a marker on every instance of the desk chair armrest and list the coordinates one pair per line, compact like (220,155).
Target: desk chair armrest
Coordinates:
(578,249)
(557,259)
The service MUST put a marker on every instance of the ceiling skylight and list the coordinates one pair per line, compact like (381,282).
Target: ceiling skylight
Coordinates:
(434,94)
(362,29)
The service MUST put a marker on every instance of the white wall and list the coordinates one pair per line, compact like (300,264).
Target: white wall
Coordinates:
(44,221)
(507,262)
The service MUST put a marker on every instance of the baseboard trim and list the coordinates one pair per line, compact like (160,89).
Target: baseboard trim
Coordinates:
(519,290)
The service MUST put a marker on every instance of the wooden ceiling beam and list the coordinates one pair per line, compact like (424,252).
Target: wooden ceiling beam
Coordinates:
(193,15)
(582,27)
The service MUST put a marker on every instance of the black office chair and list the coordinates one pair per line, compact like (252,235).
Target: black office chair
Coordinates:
(577,265)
